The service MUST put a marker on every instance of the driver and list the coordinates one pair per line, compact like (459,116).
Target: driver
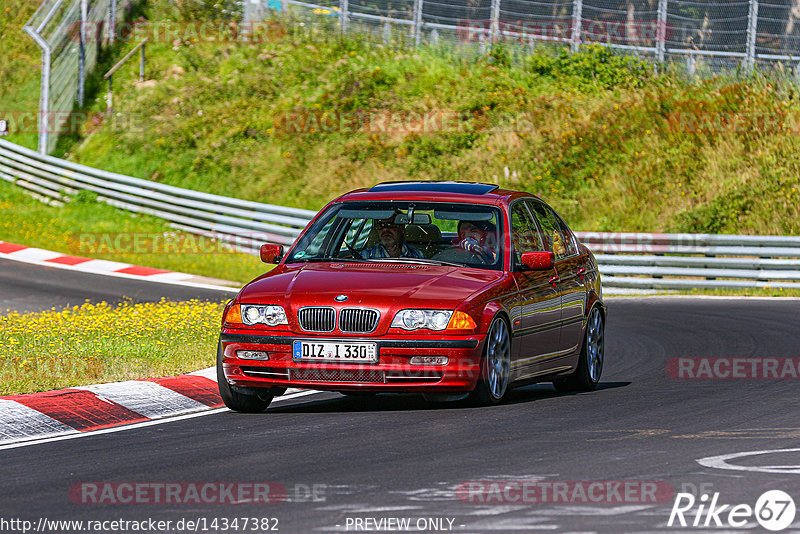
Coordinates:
(477,237)
(392,242)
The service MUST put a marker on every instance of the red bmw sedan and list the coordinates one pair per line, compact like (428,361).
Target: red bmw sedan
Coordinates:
(448,289)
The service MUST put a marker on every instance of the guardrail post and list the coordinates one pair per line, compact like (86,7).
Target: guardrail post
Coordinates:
(494,26)
(344,16)
(752,25)
(387,33)
(661,31)
(141,64)
(416,23)
(82,53)
(577,20)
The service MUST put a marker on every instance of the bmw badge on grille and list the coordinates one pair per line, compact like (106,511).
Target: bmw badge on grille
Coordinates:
(340,298)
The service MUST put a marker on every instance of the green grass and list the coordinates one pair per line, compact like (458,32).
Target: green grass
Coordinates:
(599,136)
(20,60)
(71,347)
(85,227)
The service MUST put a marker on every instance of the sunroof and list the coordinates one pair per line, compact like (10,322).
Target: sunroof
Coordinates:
(468,188)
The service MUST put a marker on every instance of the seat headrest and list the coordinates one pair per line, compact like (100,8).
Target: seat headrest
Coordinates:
(423,233)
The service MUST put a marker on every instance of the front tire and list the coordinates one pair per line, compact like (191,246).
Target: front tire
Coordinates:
(495,365)
(590,363)
(237,401)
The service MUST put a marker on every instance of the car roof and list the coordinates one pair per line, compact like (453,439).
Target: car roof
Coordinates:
(442,191)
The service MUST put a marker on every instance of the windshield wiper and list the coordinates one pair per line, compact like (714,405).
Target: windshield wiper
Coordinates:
(426,261)
(314,259)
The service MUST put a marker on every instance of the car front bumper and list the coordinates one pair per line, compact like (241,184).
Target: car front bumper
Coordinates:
(391,373)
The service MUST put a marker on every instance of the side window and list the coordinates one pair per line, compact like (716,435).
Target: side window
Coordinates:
(553,235)
(525,236)
(570,242)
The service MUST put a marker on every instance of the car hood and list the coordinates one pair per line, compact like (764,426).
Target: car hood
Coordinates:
(388,287)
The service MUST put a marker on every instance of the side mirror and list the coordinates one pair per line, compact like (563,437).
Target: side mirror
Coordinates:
(538,261)
(271,253)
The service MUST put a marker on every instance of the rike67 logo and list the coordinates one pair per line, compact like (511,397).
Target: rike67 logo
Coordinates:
(774,510)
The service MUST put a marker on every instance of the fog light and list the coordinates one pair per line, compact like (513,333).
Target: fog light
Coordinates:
(252,355)
(429,360)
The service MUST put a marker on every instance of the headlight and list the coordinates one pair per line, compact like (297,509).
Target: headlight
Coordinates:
(268,315)
(416,319)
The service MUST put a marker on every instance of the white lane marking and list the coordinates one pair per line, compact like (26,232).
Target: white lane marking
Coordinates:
(78,268)
(170,276)
(209,372)
(35,254)
(143,423)
(721,462)
(147,398)
(19,422)
(101,266)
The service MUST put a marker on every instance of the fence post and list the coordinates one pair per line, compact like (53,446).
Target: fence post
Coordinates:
(112,21)
(661,31)
(44,91)
(344,16)
(82,53)
(577,16)
(494,26)
(752,25)
(416,28)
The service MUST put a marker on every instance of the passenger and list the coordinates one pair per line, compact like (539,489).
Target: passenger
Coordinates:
(392,242)
(479,237)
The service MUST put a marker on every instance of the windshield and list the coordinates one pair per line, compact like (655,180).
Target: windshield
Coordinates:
(421,232)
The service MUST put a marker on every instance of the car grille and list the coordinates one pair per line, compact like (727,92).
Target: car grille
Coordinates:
(358,320)
(317,319)
(337,375)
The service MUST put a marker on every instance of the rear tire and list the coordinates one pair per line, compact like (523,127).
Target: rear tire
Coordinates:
(590,363)
(237,401)
(495,365)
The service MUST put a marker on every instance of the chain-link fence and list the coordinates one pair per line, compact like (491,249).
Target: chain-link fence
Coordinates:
(70,34)
(705,35)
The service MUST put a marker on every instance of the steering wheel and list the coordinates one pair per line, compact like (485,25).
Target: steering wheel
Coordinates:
(353,252)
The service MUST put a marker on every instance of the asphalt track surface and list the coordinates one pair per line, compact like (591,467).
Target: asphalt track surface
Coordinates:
(399,457)
(27,288)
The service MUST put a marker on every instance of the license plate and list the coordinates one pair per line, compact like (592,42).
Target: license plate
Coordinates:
(328,351)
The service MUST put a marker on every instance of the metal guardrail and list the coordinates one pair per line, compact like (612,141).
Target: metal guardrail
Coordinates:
(703,261)
(626,260)
(244,224)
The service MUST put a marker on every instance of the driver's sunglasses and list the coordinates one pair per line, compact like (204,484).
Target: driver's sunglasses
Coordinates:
(387,224)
